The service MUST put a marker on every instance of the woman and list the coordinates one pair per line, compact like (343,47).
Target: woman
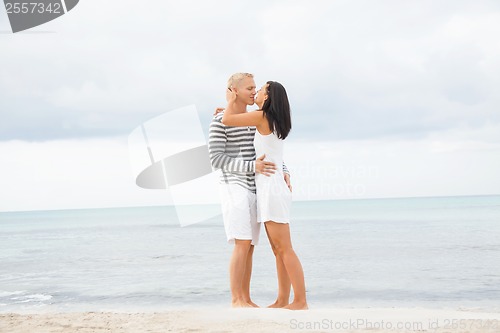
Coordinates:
(273,123)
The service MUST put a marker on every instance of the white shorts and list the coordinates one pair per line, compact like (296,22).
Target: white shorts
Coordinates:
(239,212)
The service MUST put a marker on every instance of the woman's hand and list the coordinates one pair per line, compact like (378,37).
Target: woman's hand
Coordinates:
(230,98)
(230,95)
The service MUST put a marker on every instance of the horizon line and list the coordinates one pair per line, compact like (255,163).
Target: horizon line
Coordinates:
(296,201)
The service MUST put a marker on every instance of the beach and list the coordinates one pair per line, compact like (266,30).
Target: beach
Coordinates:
(258,320)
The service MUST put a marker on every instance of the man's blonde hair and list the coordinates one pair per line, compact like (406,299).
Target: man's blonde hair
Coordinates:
(236,78)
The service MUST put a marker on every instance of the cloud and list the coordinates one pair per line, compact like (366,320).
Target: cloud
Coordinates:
(364,69)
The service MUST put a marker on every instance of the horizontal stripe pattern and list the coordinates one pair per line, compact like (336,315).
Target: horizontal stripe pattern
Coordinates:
(231,150)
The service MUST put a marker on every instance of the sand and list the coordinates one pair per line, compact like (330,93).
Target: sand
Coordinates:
(259,320)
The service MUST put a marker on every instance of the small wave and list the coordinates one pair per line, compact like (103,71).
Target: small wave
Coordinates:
(167,256)
(11,293)
(35,298)
(39,297)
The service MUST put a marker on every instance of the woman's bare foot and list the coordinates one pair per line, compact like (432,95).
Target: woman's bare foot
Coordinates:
(297,306)
(278,304)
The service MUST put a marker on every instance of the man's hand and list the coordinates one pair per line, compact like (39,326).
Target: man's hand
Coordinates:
(287,181)
(218,110)
(263,167)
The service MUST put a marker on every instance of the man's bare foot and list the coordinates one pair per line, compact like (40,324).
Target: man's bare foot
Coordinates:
(252,304)
(297,306)
(278,304)
(241,304)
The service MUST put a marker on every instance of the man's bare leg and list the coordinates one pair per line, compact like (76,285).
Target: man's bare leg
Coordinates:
(284,284)
(247,277)
(237,267)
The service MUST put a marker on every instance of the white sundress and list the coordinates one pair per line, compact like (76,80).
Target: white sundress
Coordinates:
(274,198)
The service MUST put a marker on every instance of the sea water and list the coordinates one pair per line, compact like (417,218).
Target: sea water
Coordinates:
(411,252)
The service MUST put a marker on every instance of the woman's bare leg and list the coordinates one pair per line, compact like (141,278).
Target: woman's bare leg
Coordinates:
(279,233)
(284,283)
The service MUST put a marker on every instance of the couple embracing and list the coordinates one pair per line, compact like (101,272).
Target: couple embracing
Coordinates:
(256,191)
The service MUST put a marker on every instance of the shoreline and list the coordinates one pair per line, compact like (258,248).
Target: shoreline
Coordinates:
(258,320)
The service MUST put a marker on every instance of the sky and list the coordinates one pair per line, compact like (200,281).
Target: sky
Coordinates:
(389,98)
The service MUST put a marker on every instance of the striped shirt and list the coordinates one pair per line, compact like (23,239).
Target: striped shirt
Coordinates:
(231,150)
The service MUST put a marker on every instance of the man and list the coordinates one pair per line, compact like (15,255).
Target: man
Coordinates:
(231,150)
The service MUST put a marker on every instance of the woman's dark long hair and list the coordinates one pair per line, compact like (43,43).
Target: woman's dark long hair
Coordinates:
(277,109)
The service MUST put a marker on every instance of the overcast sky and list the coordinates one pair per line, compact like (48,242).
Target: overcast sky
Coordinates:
(389,98)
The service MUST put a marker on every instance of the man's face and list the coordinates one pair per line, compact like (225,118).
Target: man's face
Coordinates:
(245,91)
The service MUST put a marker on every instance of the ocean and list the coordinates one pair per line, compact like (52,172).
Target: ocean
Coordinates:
(409,252)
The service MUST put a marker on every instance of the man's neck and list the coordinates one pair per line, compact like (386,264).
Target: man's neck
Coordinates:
(239,107)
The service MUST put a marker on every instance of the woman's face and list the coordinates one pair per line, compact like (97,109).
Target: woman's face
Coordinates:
(261,96)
